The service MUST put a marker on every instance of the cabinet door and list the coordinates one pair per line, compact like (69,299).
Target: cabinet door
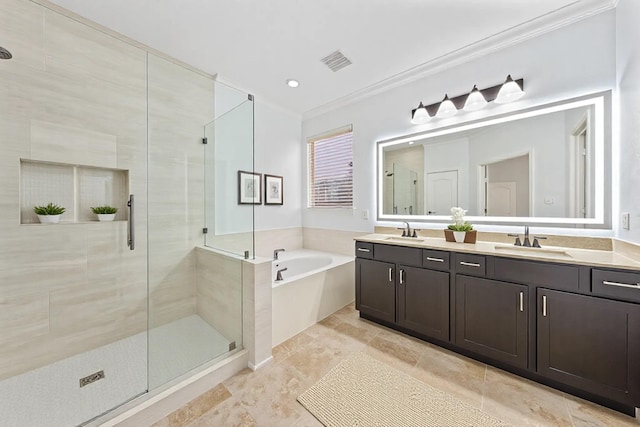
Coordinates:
(491,319)
(423,301)
(375,289)
(589,343)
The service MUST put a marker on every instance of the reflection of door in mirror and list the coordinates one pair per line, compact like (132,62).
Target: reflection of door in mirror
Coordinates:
(442,192)
(506,187)
(580,168)
(405,191)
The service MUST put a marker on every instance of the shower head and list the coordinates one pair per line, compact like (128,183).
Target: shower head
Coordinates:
(5,54)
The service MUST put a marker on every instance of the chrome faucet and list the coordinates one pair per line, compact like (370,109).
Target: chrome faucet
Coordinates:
(275,253)
(279,274)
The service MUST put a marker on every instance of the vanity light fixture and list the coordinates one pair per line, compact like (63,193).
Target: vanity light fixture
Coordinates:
(420,115)
(293,83)
(509,91)
(447,108)
(475,100)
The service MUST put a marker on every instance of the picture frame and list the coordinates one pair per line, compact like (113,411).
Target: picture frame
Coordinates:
(249,188)
(273,190)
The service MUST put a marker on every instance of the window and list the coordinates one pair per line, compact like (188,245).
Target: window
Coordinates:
(331,169)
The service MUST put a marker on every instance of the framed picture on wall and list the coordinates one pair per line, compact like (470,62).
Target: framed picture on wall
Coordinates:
(273,190)
(249,188)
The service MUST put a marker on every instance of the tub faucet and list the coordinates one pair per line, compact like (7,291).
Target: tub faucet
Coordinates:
(279,274)
(275,253)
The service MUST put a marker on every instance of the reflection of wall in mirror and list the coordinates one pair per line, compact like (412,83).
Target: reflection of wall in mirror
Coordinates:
(543,137)
(410,158)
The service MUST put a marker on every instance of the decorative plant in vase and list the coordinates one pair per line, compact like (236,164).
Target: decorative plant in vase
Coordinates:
(49,214)
(462,231)
(105,213)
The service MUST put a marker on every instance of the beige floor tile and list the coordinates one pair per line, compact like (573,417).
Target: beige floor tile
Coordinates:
(198,406)
(290,346)
(360,332)
(393,353)
(330,321)
(523,402)
(230,413)
(588,414)
(452,373)
(307,420)
(315,360)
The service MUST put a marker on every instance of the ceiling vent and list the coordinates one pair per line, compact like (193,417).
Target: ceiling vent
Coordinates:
(336,61)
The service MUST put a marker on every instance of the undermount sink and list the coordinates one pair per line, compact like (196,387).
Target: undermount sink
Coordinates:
(531,251)
(404,239)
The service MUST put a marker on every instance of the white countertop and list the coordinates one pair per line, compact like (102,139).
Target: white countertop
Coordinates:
(590,257)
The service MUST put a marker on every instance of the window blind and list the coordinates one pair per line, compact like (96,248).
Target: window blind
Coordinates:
(331,170)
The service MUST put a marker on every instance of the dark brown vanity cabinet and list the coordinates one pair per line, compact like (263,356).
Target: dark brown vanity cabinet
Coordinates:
(376,289)
(491,319)
(393,287)
(590,343)
(423,301)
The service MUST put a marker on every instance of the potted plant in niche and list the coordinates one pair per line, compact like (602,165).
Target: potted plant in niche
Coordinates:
(49,214)
(105,213)
(460,231)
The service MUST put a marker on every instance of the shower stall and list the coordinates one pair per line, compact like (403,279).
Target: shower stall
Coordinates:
(97,314)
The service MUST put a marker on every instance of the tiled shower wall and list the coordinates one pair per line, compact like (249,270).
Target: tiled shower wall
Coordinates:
(66,289)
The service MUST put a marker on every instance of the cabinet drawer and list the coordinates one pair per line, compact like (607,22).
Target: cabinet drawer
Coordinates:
(435,260)
(398,255)
(623,285)
(473,265)
(565,277)
(364,250)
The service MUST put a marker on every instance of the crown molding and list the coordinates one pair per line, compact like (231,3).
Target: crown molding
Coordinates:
(567,15)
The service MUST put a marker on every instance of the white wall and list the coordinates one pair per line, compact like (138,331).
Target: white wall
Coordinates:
(627,158)
(277,152)
(571,61)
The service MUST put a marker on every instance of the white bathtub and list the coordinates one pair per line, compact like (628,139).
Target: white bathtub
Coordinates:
(314,285)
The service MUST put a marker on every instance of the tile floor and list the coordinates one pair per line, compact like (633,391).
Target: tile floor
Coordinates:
(267,397)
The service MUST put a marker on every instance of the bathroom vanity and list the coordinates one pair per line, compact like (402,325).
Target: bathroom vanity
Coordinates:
(568,318)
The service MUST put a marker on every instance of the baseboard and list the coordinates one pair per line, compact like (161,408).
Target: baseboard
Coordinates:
(262,364)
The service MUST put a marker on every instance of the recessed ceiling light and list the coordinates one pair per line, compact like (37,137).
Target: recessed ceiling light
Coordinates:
(293,83)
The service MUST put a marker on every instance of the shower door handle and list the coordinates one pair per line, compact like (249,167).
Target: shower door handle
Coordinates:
(131,240)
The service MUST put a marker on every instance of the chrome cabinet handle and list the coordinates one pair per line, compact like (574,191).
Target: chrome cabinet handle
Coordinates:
(401,276)
(469,264)
(544,305)
(622,285)
(391,274)
(364,250)
(131,240)
(521,301)
(435,259)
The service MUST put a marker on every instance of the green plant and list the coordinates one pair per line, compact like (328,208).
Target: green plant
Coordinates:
(102,210)
(50,209)
(461,227)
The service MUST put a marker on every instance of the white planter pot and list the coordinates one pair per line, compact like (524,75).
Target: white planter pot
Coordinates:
(459,236)
(106,217)
(49,219)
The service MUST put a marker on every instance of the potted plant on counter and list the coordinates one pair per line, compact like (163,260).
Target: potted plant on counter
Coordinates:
(49,214)
(460,231)
(105,213)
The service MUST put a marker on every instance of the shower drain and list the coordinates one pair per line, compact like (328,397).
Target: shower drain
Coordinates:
(91,378)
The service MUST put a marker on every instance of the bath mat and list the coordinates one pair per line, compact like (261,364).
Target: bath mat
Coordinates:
(362,391)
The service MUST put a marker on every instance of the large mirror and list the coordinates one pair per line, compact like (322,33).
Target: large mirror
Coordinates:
(548,165)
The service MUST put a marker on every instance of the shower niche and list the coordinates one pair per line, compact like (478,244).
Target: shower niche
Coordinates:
(75,187)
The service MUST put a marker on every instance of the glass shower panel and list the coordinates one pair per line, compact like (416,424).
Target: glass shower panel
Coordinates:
(232,188)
